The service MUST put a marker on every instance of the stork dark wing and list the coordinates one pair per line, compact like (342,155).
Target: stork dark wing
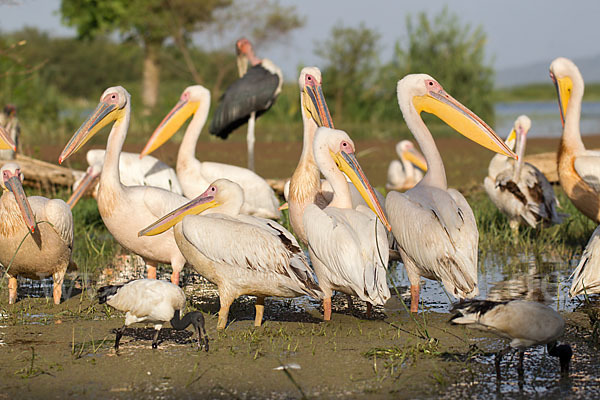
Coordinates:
(255,91)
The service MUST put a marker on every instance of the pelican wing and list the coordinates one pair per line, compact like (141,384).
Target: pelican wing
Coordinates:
(587,167)
(540,195)
(353,246)
(267,247)
(255,91)
(586,277)
(57,213)
(437,230)
(159,201)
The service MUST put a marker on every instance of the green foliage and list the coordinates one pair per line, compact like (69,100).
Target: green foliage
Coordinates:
(453,53)
(147,20)
(350,57)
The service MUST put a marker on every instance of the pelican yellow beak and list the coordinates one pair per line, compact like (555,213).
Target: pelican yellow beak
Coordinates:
(463,120)
(314,102)
(13,183)
(416,159)
(89,179)
(348,164)
(284,206)
(170,124)
(511,136)
(194,207)
(104,114)
(6,142)
(564,86)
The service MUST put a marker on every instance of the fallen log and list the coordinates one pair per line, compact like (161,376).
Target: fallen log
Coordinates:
(44,175)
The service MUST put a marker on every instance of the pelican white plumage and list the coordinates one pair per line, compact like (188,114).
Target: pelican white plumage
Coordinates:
(133,171)
(578,168)
(195,176)
(525,323)
(519,189)
(434,226)
(127,209)
(239,253)
(36,234)
(586,277)
(348,248)
(154,301)
(405,173)
(305,184)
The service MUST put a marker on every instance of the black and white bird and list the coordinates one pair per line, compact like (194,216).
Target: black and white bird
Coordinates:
(154,301)
(248,97)
(525,323)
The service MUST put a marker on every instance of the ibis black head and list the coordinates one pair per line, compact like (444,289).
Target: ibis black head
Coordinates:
(564,354)
(106,292)
(196,319)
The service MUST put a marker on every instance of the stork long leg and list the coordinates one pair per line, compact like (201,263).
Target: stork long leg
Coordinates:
(350,303)
(369,310)
(250,140)
(260,309)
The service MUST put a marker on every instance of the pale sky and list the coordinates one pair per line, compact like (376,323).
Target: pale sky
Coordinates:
(519,32)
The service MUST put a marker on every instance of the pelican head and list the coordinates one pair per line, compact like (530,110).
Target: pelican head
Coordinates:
(222,193)
(12,180)
(565,75)
(90,178)
(334,144)
(420,92)
(312,99)
(112,107)
(6,142)
(189,102)
(406,150)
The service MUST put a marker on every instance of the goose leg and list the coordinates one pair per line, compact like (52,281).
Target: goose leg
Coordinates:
(12,289)
(260,309)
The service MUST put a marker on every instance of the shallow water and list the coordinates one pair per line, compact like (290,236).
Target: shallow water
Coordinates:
(545,117)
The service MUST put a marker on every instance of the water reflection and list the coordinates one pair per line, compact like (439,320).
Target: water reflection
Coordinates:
(503,278)
(545,117)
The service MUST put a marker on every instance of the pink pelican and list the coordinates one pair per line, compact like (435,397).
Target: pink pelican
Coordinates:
(405,173)
(36,234)
(195,176)
(434,226)
(239,253)
(348,247)
(127,209)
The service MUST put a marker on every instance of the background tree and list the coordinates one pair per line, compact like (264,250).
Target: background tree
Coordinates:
(451,52)
(351,62)
(150,22)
